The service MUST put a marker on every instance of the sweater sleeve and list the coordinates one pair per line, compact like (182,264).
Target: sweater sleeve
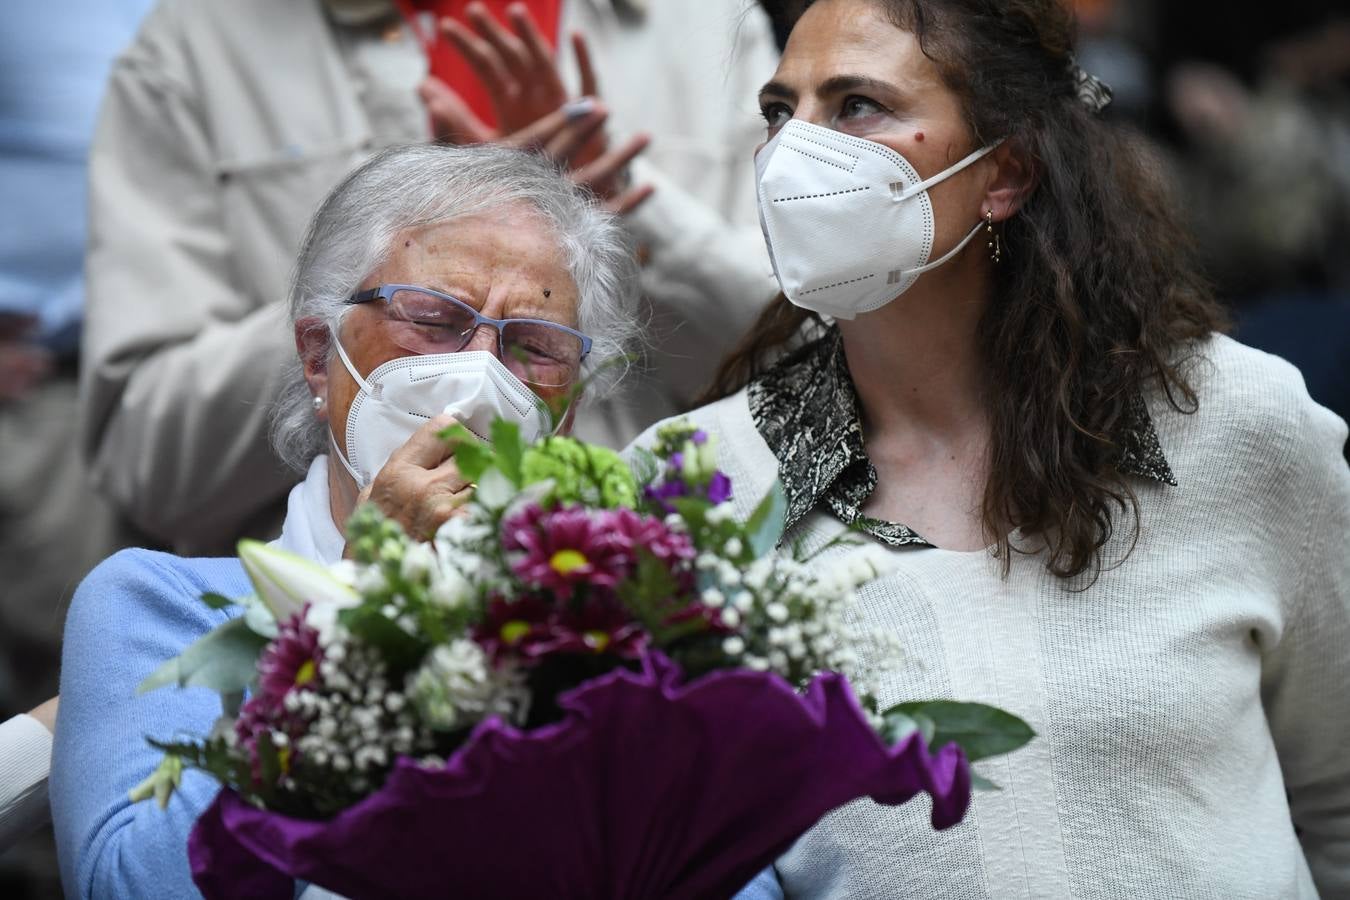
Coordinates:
(25,758)
(131,614)
(1305,675)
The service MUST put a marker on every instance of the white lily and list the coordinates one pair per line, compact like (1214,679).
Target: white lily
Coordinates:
(286,582)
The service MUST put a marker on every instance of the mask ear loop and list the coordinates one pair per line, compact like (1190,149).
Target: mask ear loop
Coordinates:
(946,256)
(370,389)
(946,173)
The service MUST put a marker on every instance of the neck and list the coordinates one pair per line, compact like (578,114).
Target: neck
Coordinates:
(915,362)
(342,492)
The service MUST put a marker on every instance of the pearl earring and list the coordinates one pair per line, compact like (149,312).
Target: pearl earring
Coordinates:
(318,403)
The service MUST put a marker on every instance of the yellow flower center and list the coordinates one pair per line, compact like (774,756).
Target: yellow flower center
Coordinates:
(565,562)
(596,640)
(515,630)
(305,674)
(284,759)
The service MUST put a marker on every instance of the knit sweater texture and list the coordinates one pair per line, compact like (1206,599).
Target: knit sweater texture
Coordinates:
(133,612)
(1178,699)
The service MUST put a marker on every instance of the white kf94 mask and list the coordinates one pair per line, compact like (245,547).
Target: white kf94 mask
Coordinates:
(848,221)
(400,396)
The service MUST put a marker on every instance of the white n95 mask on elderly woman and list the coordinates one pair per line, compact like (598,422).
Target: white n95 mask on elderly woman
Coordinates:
(402,395)
(848,221)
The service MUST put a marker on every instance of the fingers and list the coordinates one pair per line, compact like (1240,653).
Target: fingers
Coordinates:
(605,176)
(425,449)
(451,119)
(540,54)
(565,145)
(590,86)
(511,49)
(487,64)
(629,200)
(545,129)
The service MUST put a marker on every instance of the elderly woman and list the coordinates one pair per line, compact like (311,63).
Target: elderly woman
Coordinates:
(1105,516)
(471,280)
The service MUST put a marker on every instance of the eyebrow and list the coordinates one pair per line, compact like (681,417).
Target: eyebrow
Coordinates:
(833,85)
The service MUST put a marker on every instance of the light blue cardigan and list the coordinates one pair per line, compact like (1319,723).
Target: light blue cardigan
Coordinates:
(136,610)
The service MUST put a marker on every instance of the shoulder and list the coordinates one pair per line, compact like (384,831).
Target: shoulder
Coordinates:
(728,419)
(1254,426)
(178,37)
(131,588)
(742,454)
(1262,398)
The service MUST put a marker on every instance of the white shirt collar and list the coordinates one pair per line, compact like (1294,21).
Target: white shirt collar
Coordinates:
(309,530)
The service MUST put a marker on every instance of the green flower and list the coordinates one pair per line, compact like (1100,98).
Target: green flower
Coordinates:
(580,472)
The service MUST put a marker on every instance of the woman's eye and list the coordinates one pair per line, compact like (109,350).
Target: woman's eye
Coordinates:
(860,108)
(776,115)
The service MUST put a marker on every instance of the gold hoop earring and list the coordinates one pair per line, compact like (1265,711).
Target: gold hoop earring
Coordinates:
(995,243)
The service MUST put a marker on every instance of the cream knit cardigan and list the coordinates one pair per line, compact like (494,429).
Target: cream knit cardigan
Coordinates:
(1177,699)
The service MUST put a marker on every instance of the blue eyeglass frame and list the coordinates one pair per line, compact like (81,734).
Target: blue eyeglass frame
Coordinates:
(386,293)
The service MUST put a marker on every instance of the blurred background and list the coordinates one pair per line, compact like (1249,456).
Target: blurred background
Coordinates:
(1249,115)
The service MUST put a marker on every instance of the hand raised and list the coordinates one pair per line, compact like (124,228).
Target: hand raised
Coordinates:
(420,487)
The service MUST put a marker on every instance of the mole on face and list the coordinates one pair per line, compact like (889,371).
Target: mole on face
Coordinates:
(547,292)
(408,242)
(918,137)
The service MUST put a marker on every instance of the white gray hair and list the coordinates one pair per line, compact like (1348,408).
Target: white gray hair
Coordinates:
(424,184)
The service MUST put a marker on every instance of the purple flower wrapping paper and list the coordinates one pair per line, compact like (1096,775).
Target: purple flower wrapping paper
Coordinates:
(648,788)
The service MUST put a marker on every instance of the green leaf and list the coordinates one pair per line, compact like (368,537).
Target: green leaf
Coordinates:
(509,447)
(980,730)
(644,465)
(225,660)
(980,783)
(765,526)
(474,459)
(161,783)
(218,601)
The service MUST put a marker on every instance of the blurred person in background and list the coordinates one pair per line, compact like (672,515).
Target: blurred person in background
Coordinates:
(53,527)
(1259,118)
(226,124)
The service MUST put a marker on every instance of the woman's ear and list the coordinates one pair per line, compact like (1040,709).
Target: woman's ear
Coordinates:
(312,343)
(1012,181)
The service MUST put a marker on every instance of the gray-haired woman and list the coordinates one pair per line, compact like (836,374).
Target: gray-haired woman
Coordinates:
(474,280)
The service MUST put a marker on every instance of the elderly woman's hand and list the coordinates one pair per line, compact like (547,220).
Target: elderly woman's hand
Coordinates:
(420,487)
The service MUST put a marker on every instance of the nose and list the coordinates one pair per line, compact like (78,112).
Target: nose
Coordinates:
(484,337)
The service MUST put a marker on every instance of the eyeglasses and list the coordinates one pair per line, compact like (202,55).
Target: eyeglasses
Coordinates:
(424,321)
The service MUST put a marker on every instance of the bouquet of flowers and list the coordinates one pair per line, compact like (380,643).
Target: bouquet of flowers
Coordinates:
(594,682)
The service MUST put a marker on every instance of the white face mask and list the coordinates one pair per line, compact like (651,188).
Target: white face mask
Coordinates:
(401,395)
(848,221)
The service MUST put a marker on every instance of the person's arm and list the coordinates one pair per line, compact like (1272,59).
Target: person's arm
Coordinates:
(130,615)
(764,887)
(1304,677)
(25,760)
(179,364)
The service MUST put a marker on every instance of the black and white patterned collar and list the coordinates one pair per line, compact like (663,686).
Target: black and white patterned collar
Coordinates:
(806,409)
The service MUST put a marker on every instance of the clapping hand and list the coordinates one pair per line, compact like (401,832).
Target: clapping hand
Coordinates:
(519,71)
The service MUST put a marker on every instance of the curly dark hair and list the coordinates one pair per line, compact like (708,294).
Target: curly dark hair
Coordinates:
(1098,296)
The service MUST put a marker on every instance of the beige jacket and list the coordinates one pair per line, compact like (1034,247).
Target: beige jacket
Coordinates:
(224,127)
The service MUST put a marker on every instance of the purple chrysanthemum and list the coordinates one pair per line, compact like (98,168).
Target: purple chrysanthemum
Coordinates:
(565,548)
(645,533)
(289,662)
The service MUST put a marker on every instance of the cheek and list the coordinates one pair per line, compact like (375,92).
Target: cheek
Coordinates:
(341,390)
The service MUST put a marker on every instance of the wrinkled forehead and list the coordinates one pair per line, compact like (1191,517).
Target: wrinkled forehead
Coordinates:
(510,259)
